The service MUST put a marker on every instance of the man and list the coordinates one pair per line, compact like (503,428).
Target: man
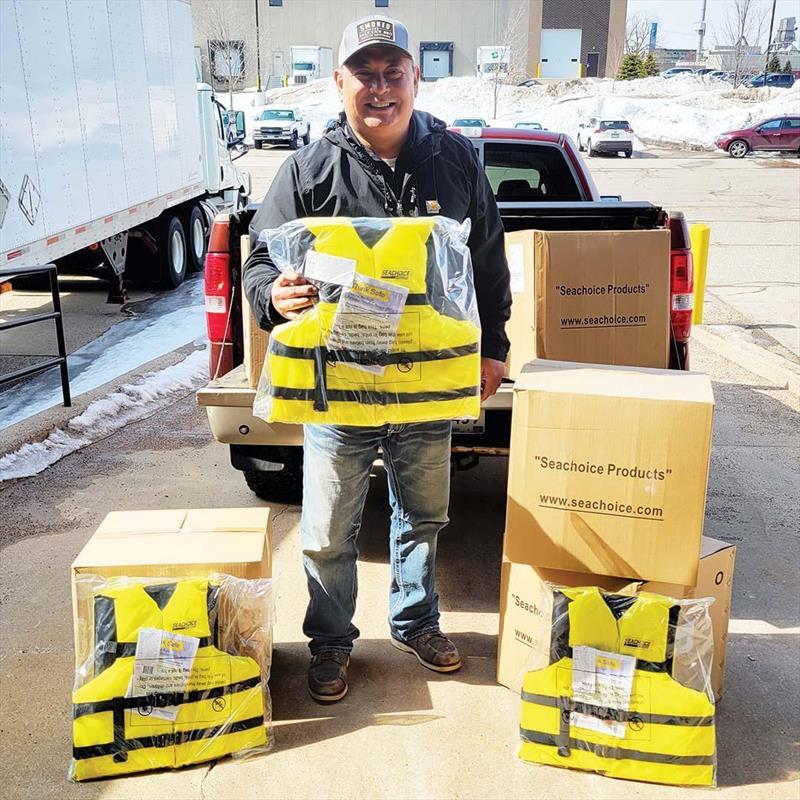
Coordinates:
(382,159)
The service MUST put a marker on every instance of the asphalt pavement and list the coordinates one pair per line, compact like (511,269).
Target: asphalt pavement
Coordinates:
(403,731)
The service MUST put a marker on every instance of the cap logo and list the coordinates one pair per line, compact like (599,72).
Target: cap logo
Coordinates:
(375,29)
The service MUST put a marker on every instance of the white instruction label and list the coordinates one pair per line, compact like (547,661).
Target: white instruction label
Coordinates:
(162,665)
(601,679)
(516,266)
(326,268)
(367,318)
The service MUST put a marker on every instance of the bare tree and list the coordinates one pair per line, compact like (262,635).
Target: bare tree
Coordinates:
(226,54)
(745,23)
(511,66)
(637,35)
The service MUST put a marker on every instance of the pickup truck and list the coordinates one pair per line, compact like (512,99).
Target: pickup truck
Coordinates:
(281,126)
(540,181)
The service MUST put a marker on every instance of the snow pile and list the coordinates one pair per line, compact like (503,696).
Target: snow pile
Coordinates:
(685,111)
(129,403)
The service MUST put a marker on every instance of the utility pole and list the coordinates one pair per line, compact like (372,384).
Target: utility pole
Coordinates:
(258,52)
(769,41)
(701,32)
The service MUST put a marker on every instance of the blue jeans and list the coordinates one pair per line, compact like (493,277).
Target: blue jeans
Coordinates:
(337,464)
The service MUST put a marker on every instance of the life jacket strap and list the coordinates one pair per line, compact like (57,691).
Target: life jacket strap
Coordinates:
(150,701)
(365,357)
(364,397)
(618,753)
(120,750)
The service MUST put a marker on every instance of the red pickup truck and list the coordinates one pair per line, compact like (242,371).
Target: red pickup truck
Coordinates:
(540,181)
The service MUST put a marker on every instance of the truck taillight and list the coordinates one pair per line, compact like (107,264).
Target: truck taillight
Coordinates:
(681,278)
(219,297)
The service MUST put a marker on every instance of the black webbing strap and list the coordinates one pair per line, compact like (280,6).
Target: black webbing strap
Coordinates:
(150,701)
(120,749)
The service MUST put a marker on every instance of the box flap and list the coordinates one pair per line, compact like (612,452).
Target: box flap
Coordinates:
(173,548)
(710,546)
(154,521)
(227,519)
(567,377)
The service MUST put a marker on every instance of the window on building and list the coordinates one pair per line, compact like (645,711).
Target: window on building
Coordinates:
(381,3)
(276,2)
(227,60)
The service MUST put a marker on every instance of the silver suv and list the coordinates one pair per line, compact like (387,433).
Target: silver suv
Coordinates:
(279,126)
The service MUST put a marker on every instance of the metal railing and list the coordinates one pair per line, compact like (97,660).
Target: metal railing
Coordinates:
(60,361)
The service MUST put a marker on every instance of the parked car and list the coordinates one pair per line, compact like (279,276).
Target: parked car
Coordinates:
(720,74)
(704,71)
(606,136)
(531,126)
(530,82)
(469,122)
(281,126)
(540,182)
(779,134)
(673,71)
(781,80)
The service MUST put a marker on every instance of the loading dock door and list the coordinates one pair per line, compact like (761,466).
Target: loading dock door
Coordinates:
(561,52)
(436,59)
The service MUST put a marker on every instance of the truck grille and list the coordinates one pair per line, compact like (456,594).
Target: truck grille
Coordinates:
(301,78)
(271,130)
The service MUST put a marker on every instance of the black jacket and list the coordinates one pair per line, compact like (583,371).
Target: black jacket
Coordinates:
(337,177)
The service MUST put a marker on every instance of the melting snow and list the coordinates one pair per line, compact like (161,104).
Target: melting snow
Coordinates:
(129,403)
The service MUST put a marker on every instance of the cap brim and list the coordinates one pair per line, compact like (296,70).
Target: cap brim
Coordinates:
(377,43)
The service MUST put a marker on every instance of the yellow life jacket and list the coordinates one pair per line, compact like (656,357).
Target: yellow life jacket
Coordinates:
(220,711)
(433,369)
(669,733)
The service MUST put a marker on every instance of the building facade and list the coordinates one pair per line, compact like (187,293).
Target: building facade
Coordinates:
(546,38)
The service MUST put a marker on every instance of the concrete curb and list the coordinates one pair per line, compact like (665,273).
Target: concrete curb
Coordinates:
(38,427)
(749,356)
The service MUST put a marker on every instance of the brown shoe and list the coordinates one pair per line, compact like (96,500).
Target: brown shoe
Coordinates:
(433,650)
(327,676)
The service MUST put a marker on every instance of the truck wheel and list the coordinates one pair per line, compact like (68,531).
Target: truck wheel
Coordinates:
(197,234)
(581,148)
(628,153)
(294,142)
(738,148)
(284,485)
(307,137)
(257,144)
(172,253)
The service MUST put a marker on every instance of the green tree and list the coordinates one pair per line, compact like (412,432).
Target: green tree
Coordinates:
(787,67)
(631,67)
(649,66)
(773,65)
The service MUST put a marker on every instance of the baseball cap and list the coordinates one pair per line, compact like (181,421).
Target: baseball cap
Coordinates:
(371,31)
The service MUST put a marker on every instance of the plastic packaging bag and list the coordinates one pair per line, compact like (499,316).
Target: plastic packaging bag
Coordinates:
(171,671)
(395,334)
(614,699)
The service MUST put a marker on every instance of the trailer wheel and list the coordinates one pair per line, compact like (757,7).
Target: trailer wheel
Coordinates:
(172,253)
(197,234)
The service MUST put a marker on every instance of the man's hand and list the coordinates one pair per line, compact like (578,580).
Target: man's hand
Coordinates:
(491,374)
(291,293)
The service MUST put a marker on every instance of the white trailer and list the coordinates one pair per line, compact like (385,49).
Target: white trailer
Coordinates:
(309,63)
(493,61)
(107,138)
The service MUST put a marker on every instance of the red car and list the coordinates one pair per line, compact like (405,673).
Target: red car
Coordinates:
(776,134)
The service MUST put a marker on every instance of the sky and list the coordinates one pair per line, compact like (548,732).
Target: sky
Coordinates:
(677,19)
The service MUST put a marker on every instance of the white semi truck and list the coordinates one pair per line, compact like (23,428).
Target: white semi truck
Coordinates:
(107,140)
(309,63)
(493,61)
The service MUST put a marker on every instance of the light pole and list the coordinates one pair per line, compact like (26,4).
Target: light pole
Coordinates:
(258,52)
(701,32)
(769,41)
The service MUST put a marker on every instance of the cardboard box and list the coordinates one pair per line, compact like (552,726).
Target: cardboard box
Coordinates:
(234,541)
(526,609)
(255,338)
(598,297)
(608,470)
